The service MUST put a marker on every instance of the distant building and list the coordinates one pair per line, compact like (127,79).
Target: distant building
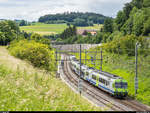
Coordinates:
(84,32)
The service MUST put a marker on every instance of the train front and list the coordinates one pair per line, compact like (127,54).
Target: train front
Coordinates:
(120,88)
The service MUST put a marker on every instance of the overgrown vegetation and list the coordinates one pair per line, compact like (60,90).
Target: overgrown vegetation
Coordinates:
(37,53)
(126,45)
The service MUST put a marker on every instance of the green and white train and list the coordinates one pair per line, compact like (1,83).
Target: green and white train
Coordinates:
(110,83)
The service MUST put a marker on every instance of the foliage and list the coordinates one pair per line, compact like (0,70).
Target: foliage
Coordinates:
(38,54)
(69,32)
(40,39)
(134,18)
(120,19)
(8,31)
(126,45)
(146,27)
(108,25)
(24,23)
(78,19)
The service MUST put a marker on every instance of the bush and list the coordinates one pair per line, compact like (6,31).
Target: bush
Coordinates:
(38,38)
(38,54)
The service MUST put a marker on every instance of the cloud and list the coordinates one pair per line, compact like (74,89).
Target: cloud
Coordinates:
(32,10)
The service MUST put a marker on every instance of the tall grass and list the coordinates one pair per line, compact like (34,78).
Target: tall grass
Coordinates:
(20,91)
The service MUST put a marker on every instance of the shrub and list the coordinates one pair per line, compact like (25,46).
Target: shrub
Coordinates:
(40,39)
(38,54)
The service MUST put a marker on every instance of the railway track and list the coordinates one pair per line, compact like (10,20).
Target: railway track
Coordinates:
(101,97)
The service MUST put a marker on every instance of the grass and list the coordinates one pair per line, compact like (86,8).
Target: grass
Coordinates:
(96,27)
(25,88)
(124,66)
(45,29)
(48,29)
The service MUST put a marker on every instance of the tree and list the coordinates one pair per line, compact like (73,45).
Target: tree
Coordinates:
(86,18)
(127,9)
(127,27)
(138,22)
(108,25)
(146,29)
(74,30)
(23,23)
(137,3)
(68,32)
(146,3)
(9,31)
(68,24)
(120,19)
(85,32)
(80,22)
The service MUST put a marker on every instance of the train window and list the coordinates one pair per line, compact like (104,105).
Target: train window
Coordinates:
(107,83)
(117,85)
(125,85)
(87,74)
(94,77)
(100,80)
(104,81)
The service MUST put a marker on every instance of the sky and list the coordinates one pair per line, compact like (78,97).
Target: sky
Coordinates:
(31,10)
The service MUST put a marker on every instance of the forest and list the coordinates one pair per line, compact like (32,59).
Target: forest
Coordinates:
(74,18)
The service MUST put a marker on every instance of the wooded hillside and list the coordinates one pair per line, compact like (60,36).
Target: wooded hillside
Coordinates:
(78,19)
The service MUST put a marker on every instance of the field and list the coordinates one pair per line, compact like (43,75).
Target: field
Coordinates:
(25,88)
(96,27)
(47,29)
(44,29)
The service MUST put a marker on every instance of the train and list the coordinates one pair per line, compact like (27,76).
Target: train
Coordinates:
(114,85)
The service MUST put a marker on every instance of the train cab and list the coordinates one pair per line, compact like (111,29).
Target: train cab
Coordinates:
(120,88)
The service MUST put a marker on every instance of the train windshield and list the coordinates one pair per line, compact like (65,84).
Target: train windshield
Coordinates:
(122,85)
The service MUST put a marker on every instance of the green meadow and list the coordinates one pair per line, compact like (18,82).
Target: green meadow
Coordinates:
(48,29)
(96,27)
(44,29)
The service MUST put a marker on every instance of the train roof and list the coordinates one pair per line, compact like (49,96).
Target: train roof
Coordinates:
(113,76)
(105,73)
(84,66)
(109,75)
